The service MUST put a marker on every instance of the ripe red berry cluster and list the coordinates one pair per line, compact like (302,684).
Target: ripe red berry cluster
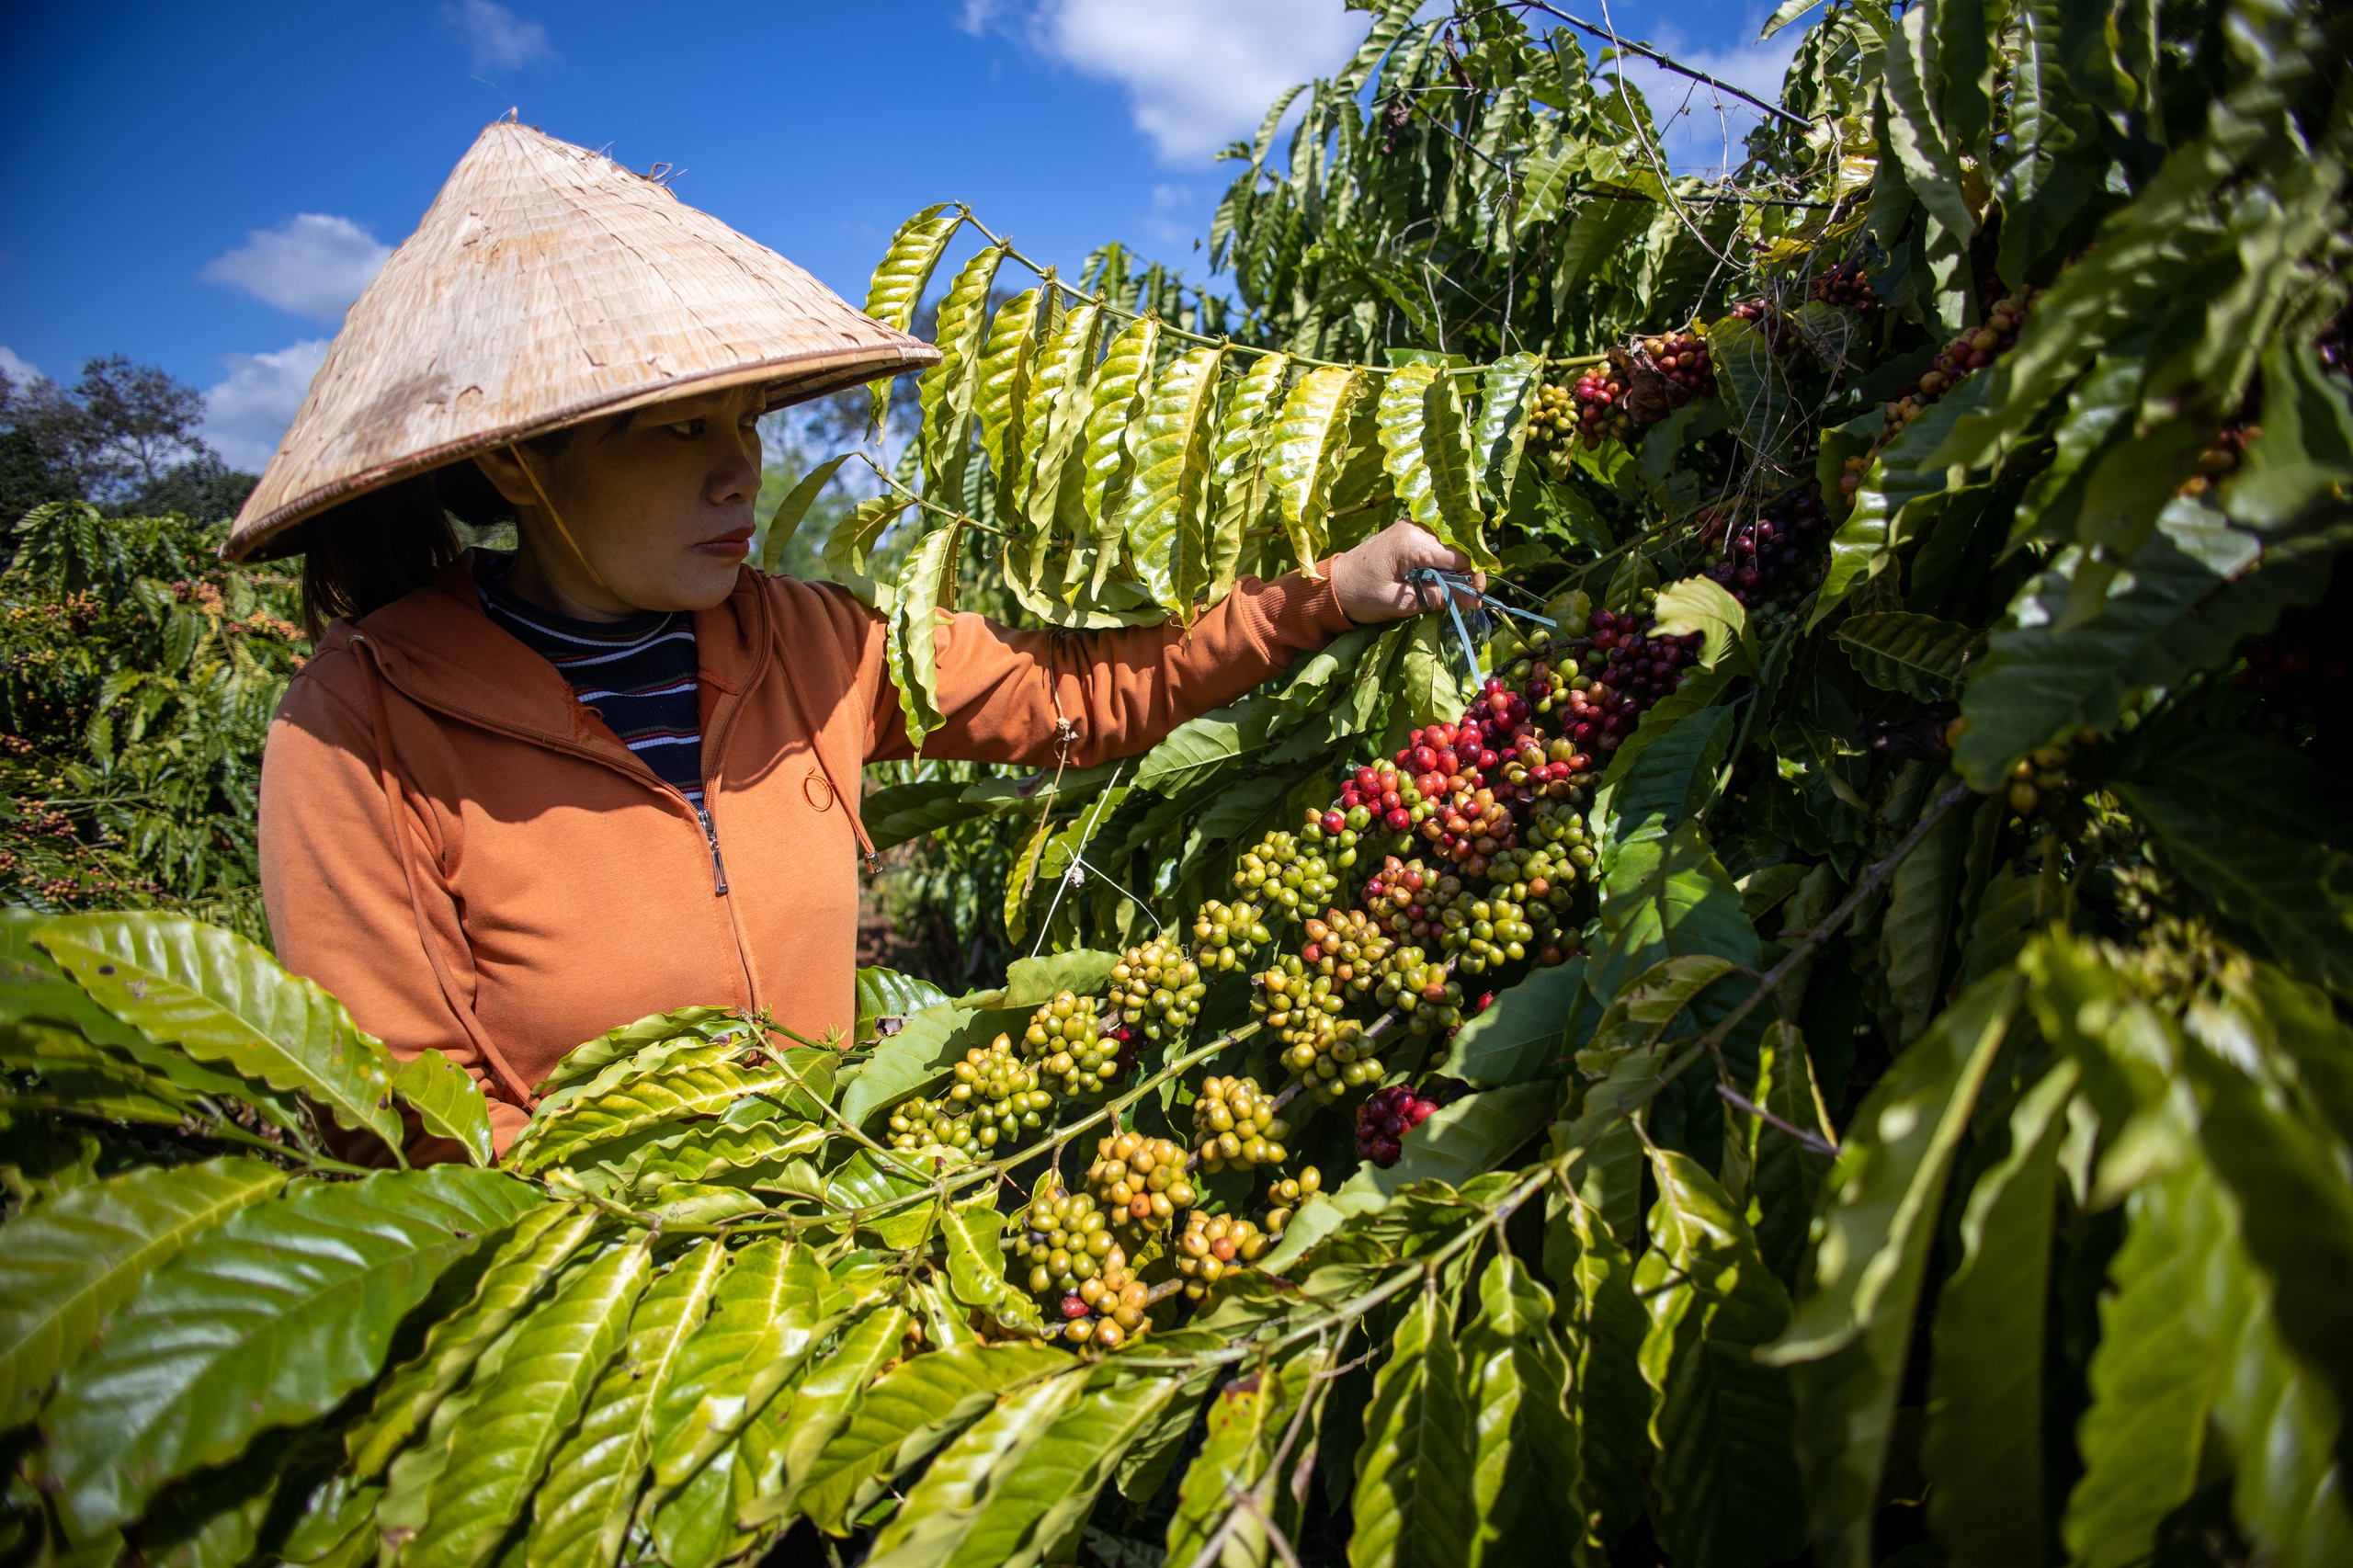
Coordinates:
(1449,763)
(1601,396)
(1682,357)
(1636,668)
(1765,555)
(1384,1119)
(1846,284)
(1964,356)
(1765,317)
(1379,795)
(1405,896)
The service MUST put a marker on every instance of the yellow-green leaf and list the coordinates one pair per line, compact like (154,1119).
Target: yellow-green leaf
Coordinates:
(1121,386)
(446,1102)
(949,389)
(1007,363)
(1309,444)
(1427,450)
(1054,418)
(1239,476)
(1165,501)
(898,282)
(926,586)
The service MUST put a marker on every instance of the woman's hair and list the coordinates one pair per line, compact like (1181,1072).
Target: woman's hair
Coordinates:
(361,556)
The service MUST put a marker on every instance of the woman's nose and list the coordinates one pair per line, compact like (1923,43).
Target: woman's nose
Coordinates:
(737,478)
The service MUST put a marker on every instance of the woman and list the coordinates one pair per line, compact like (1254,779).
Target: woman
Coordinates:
(512,803)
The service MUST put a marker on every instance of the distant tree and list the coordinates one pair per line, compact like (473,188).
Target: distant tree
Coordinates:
(126,437)
(30,474)
(203,488)
(139,422)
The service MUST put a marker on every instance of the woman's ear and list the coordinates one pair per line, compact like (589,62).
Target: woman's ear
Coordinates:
(504,471)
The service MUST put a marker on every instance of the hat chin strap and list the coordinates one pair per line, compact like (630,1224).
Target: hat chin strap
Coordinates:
(557,518)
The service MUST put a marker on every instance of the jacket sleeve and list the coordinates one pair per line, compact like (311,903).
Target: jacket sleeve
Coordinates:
(338,888)
(1002,691)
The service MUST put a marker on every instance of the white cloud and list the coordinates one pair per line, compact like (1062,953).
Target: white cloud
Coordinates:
(15,368)
(313,265)
(1198,74)
(245,414)
(499,37)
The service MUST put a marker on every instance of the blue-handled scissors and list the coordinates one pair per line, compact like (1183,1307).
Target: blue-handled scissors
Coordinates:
(1451,584)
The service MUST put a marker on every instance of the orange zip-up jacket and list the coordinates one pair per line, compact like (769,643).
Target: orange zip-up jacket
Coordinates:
(475,863)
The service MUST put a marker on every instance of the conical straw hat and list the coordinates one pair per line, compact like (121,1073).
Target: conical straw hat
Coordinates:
(546,285)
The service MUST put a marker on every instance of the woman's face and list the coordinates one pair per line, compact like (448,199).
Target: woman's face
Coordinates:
(660,505)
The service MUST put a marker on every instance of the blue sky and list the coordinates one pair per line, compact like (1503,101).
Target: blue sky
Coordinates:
(205,188)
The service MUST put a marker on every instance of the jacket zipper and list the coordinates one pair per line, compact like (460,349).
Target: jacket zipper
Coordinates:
(710,836)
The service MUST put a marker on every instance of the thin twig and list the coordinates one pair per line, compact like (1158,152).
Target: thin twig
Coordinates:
(926,503)
(1655,58)
(1741,1102)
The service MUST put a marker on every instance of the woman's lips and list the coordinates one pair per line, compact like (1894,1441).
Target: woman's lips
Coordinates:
(731,546)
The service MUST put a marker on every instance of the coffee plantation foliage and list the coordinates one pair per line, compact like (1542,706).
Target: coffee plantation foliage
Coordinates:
(1832,1046)
(137,677)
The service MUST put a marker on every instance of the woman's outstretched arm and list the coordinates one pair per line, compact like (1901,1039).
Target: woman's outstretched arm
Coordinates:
(1003,692)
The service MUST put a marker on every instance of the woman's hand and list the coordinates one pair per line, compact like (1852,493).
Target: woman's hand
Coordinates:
(1370,579)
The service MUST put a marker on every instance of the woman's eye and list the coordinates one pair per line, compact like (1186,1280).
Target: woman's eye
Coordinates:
(688,430)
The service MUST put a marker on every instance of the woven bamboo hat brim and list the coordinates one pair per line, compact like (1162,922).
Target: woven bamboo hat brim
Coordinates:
(547,285)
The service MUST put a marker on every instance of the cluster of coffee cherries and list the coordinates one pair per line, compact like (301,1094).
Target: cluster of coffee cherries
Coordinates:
(1766,317)
(1963,356)
(1287,1193)
(1157,989)
(1682,357)
(2222,460)
(1140,1182)
(1449,765)
(1234,1124)
(1080,1272)
(1545,873)
(1215,1246)
(1422,991)
(1553,768)
(1485,931)
(1348,944)
(1385,798)
(1290,871)
(2039,783)
(1601,395)
(1633,667)
(1769,557)
(1531,888)
(1852,471)
(1384,1119)
(1556,420)
(1559,824)
(994,1099)
(1846,284)
(1067,1042)
(1403,895)
(1225,933)
(1334,1059)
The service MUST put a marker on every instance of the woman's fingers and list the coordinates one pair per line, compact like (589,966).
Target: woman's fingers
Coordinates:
(1375,581)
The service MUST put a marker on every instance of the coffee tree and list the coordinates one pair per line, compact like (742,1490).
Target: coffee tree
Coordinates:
(1811,1029)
